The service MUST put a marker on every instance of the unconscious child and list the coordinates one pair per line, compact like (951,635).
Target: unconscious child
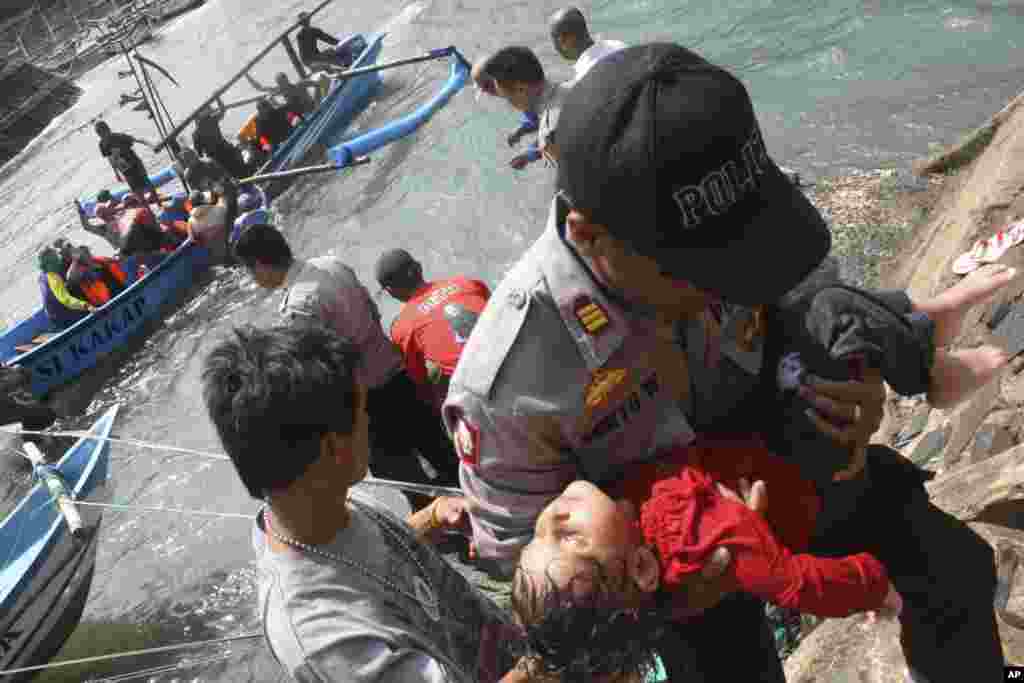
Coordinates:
(601,577)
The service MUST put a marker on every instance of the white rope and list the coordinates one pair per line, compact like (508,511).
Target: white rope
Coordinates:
(165,669)
(130,442)
(131,653)
(426,489)
(181,511)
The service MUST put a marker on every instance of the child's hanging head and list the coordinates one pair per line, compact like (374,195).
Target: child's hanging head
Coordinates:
(583,590)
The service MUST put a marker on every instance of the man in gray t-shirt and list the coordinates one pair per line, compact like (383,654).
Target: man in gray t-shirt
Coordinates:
(347,591)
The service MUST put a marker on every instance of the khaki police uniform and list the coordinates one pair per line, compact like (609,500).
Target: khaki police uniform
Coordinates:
(559,381)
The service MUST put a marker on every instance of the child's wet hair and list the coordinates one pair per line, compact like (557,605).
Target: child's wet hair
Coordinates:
(581,631)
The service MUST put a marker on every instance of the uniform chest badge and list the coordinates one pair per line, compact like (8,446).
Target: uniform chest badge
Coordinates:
(467,442)
(604,385)
(591,315)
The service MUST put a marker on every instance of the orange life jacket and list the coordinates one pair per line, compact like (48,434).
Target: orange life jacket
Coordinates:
(95,290)
(113,267)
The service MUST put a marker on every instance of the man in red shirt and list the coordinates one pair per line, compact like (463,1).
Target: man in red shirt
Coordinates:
(434,323)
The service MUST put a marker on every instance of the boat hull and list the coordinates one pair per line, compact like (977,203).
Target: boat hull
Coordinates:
(46,573)
(80,347)
(328,124)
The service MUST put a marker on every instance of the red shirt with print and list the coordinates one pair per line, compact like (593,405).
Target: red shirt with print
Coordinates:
(685,517)
(433,326)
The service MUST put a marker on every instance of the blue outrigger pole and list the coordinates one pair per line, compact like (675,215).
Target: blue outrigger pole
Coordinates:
(347,153)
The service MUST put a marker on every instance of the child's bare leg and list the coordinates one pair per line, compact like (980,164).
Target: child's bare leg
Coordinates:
(947,310)
(957,374)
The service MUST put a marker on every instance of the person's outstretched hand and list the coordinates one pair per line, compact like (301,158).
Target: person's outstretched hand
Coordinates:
(520,161)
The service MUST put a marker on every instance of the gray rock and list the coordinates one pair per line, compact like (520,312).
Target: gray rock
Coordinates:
(989,440)
(930,447)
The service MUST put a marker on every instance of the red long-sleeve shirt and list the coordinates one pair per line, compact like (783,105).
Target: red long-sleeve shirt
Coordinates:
(685,517)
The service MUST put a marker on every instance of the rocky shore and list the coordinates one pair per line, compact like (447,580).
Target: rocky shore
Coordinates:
(902,229)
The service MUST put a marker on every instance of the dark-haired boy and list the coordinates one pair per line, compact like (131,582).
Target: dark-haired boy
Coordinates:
(515,75)
(347,591)
(327,290)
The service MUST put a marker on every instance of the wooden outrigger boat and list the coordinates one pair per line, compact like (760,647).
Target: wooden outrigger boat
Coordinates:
(48,550)
(56,357)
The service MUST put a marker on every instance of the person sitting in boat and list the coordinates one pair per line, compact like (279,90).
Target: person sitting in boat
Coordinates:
(212,215)
(140,233)
(297,99)
(204,174)
(308,38)
(98,278)
(515,75)
(209,141)
(272,125)
(103,221)
(253,155)
(62,308)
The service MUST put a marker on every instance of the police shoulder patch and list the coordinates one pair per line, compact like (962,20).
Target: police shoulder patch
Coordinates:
(591,315)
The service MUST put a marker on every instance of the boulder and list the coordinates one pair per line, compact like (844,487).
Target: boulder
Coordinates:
(991,496)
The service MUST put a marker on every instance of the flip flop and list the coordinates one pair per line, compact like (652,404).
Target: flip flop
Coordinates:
(989,250)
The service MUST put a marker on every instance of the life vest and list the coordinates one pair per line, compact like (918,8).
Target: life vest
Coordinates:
(248,131)
(102,282)
(111,268)
(95,289)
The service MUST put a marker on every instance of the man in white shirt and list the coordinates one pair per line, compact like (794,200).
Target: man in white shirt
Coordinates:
(573,41)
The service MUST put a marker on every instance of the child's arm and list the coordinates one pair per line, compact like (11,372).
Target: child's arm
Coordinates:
(825,586)
(686,521)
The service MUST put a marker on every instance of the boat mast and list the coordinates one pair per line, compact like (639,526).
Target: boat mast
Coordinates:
(284,40)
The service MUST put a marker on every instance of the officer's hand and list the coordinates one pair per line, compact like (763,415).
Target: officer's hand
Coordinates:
(847,412)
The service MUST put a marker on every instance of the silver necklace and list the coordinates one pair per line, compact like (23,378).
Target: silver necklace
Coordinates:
(425,594)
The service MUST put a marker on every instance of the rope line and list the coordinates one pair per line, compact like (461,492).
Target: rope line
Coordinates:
(427,489)
(129,442)
(182,511)
(130,653)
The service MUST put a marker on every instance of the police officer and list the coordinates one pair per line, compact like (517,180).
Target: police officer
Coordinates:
(326,289)
(619,333)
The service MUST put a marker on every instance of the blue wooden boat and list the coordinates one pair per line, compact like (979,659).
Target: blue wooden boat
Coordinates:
(45,570)
(347,98)
(55,357)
